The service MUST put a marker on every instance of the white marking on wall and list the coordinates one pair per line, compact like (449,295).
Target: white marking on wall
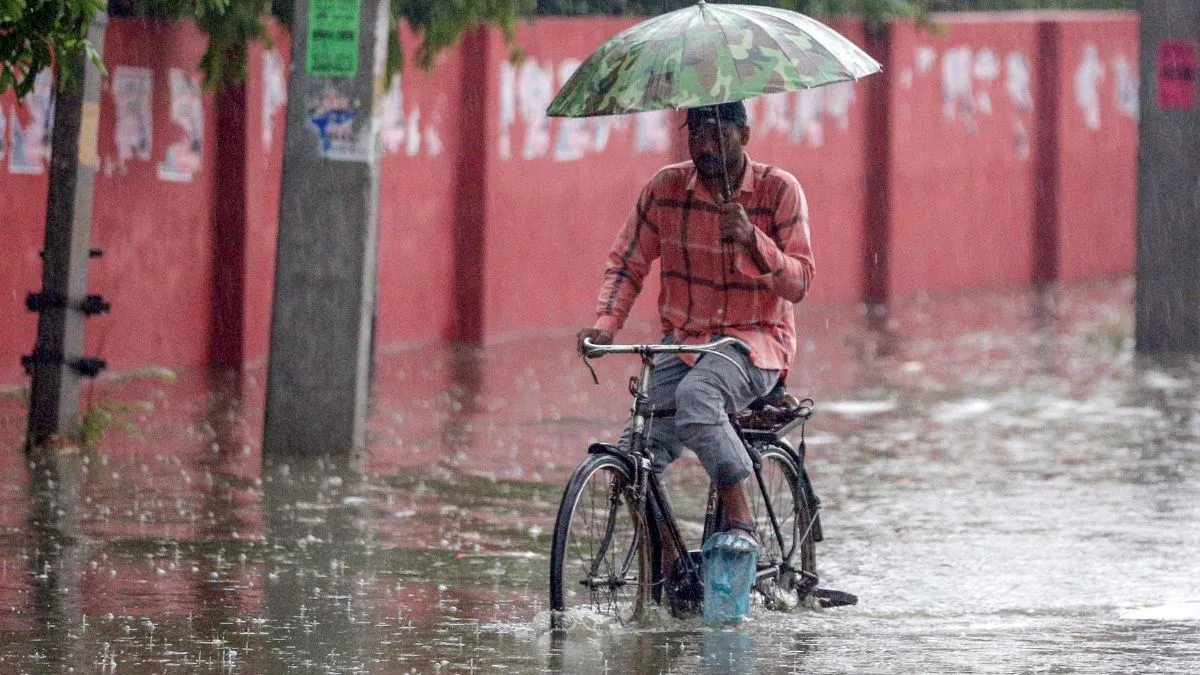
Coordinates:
(508,108)
(400,128)
(535,90)
(133,97)
(391,118)
(802,115)
(603,128)
(274,94)
(986,67)
(807,122)
(652,131)
(970,77)
(838,99)
(958,99)
(774,115)
(925,59)
(1017,81)
(1021,142)
(433,138)
(1125,88)
(412,134)
(524,93)
(573,137)
(1088,77)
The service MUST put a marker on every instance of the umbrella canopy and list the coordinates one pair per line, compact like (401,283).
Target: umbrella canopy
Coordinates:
(706,54)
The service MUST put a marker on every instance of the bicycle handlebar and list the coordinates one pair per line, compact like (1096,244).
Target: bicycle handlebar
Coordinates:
(592,350)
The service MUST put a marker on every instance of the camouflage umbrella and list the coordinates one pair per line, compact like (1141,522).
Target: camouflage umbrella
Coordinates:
(706,54)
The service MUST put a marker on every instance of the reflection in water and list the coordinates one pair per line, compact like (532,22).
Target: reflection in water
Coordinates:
(320,551)
(466,384)
(59,554)
(1004,486)
(1044,299)
(221,595)
(729,651)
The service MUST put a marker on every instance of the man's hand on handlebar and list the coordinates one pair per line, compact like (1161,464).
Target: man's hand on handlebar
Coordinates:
(596,335)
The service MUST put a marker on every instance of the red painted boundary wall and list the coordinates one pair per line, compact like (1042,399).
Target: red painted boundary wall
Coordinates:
(1013,144)
(999,151)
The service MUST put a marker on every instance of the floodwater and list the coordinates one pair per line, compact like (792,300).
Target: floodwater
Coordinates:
(1006,487)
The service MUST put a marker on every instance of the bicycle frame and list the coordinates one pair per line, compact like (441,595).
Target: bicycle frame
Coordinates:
(648,491)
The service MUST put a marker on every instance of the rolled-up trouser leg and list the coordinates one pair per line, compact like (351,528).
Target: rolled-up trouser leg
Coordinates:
(704,399)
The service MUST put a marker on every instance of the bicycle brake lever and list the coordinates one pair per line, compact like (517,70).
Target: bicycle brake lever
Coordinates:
(591,370)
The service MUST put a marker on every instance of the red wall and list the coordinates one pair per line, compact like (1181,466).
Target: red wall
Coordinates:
(22,220)
(962,154)
(267,71)
(556,194)
(495,220)
(1098,133)
(155,233)
(421,138)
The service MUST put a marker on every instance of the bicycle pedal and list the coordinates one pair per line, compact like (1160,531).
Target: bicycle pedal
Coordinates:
(828,597)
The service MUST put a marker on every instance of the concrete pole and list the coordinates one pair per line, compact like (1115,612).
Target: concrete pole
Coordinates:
(1168,212)
(318,371)
(57,363)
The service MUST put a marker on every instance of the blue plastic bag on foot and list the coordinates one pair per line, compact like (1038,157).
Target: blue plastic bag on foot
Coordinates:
(730,565)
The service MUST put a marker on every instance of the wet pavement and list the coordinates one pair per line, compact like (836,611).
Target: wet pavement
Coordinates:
(1006,487)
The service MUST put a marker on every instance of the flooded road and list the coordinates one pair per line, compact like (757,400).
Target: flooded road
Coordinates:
(1006,487)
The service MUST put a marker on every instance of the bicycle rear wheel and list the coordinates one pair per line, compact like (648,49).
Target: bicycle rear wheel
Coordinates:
(598,560)
(788,537)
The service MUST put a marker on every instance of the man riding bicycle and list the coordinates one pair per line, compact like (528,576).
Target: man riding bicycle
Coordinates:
(732,239)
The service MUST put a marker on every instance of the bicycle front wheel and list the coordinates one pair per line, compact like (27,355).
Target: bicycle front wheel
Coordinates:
(598,560)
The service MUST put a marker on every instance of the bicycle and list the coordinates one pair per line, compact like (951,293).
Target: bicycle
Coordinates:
(606,549)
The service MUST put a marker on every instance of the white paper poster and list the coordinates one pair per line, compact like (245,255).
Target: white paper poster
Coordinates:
(274,94)
(29,143)
(185,156)
(3,133)
(133,96)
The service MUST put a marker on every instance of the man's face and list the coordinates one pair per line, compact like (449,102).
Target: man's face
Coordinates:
(706,152)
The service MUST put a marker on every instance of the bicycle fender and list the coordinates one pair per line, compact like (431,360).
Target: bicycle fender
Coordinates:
(610,449)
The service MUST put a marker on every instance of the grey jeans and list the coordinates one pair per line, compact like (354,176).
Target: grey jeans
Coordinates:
(703,396)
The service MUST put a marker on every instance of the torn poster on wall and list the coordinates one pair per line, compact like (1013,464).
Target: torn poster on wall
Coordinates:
(274,94)
(332,118)
(185,156)
(132,92)
(1177,61)
(29,128)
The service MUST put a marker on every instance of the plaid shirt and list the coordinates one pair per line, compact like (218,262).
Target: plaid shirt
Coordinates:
(710,288)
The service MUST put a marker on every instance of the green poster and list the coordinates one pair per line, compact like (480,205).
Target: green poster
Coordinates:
(333,38)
